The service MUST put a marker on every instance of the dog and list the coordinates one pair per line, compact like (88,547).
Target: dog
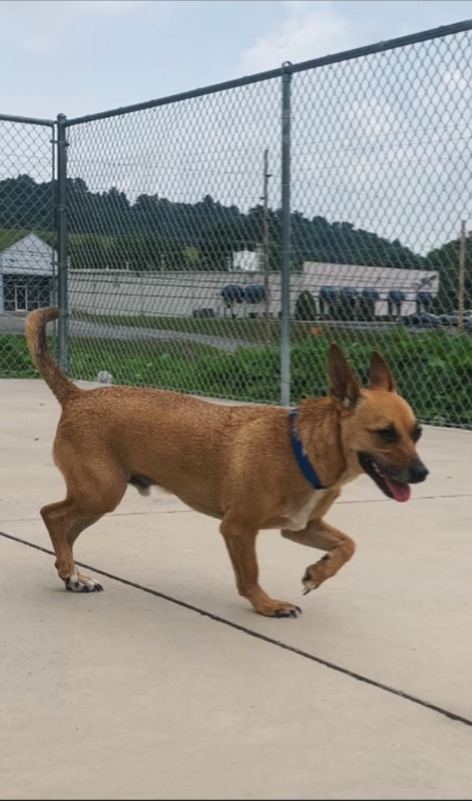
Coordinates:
(250,467)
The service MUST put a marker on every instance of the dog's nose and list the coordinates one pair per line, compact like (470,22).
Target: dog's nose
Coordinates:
(417,473)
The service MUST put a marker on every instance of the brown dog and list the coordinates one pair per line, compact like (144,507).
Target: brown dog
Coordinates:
(250,467)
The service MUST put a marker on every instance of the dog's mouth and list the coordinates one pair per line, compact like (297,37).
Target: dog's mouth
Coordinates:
(391,487)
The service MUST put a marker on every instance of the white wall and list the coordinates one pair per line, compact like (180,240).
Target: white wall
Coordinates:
(161,294)
(29,256)
(318,274)
(246,261)
(179,293)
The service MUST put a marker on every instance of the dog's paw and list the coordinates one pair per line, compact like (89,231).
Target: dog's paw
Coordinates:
(316,574)
(291,611)
(80,583)
(309,584)
(280,609)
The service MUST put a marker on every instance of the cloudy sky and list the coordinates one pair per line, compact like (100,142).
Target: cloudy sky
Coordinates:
(80,56)
(383,143)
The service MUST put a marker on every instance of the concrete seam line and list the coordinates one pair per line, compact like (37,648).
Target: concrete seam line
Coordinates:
(264,637)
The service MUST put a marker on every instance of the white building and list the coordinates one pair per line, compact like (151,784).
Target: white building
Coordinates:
(246,261)
(395,291)
(183,293)
(26,274)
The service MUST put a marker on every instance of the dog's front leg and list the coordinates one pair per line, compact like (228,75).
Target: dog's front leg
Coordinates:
(339,547)
(240,540)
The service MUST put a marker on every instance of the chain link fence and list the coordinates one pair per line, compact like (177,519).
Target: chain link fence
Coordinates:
(381,181)
(219,240)
(166,279)
(28,265)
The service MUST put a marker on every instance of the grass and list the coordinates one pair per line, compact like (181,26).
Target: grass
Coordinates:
(433,370)
(254,331)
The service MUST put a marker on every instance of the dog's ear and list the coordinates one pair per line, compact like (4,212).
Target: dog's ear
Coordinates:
(341,382)
(380,376)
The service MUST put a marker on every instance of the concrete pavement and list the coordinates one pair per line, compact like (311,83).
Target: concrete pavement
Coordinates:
(169,686)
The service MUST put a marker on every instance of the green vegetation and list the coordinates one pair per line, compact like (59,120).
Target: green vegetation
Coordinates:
(15,361)
(107,230)
(152,233)
(9,236)
(247,329)
(306,309)
(432,370)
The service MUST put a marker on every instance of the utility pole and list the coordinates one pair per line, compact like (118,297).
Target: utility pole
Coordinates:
(265,240)
(460,306)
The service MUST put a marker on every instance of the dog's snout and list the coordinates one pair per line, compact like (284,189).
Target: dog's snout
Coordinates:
(417,473)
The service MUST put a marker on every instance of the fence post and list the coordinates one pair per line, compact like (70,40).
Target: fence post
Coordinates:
(286,247)
(61,223)
(462,257)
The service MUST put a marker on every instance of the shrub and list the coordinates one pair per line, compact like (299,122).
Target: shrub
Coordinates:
(305,308)
(432,369)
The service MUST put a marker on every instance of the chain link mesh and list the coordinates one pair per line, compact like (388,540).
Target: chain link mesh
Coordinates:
(170,212)
(169,275)
(27,237)
(175,231)
(381,180)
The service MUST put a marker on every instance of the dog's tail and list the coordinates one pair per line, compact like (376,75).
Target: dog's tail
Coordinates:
(55,378)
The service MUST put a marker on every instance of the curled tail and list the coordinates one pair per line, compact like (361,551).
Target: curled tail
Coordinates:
(55,378)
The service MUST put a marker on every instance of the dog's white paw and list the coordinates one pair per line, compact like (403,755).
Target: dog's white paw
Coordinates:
(79,583)
(316,574)
(308,587)
(310,583)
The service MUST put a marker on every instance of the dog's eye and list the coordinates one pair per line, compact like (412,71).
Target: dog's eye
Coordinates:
(416,433)
(387,434)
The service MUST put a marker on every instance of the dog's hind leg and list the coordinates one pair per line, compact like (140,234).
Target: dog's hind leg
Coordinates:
(318,534)
(65,520)
(240,541)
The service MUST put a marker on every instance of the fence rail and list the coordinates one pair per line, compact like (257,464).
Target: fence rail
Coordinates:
(215,241)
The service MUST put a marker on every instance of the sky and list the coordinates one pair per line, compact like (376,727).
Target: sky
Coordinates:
(82,56)
(368,158)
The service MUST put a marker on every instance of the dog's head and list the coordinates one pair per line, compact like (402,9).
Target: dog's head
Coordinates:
(378,428)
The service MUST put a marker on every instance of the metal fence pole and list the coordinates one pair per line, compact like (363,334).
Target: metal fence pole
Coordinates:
(286,249)
(462,258)
(53,292)
(61,223)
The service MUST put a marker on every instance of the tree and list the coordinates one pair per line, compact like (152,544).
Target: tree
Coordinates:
(345,307)
(90,251)
(446,261)
(305,308)
(142,253)
(210,227)
(366,307)
(219,242)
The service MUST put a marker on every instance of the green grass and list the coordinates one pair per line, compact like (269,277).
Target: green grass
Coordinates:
(250,330)
(254,331)
(15,361)
(9,237)
(433,370)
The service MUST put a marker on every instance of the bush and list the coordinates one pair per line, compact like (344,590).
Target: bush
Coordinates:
(15,361)
(432,369)
(305,308)
(366,308)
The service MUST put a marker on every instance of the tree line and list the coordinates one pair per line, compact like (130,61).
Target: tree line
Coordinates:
(108,231)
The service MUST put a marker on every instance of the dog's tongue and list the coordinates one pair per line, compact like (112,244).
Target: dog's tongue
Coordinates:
(401,492)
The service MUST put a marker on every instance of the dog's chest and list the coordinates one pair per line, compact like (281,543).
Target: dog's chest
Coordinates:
(297,519)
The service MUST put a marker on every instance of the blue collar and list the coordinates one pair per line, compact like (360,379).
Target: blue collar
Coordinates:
(302,461)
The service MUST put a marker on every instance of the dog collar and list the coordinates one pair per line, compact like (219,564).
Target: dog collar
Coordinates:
(302,460)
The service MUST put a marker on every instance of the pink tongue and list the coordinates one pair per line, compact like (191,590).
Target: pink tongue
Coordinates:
(401,492)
